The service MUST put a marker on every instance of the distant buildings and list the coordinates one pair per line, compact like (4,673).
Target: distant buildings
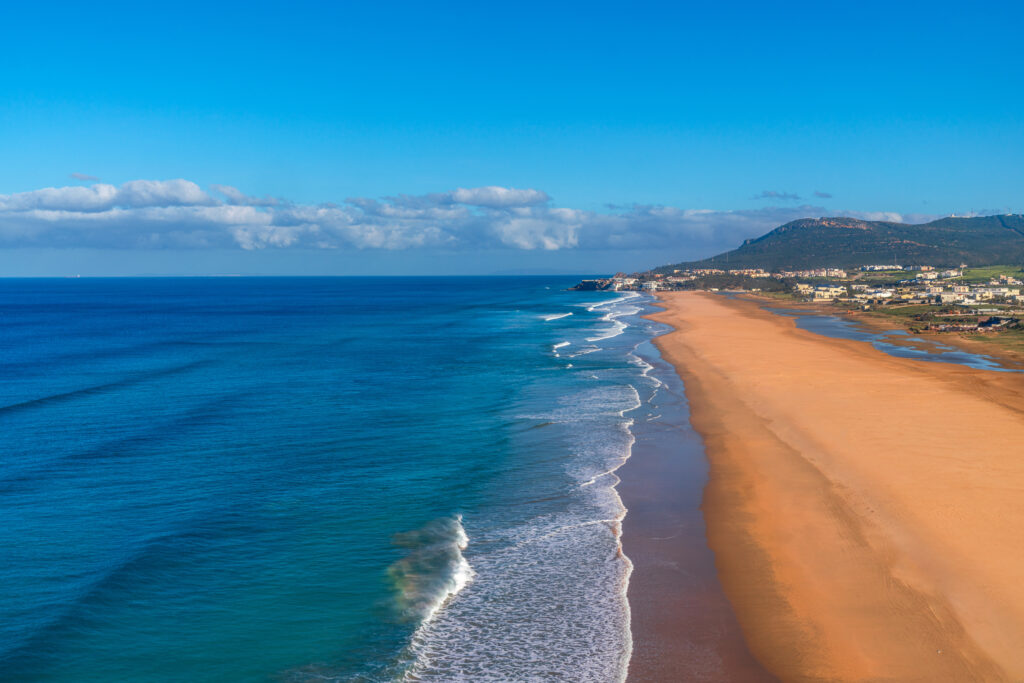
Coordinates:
(623,283)
(929,286)
(750,272)
(814,272)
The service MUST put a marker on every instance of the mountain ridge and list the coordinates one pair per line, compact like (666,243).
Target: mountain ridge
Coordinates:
(844,242)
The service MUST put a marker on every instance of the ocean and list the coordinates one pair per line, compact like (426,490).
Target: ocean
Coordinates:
(315,479)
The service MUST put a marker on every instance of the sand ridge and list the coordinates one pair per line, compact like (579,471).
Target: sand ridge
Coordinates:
(866,512)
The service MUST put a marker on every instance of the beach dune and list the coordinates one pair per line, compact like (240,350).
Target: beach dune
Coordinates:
(866,512)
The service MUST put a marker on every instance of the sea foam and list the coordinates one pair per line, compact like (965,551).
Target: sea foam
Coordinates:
(434,570)
(562,573)
(548,597)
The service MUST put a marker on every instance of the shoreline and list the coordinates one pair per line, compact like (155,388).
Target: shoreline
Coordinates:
(863,509)
(681,623)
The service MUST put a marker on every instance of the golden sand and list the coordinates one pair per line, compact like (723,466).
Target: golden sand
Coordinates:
(866,512)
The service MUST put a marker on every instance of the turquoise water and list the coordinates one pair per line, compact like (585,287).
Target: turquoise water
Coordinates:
(307,479)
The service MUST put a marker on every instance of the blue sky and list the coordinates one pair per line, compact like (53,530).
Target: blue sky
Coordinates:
(729,109)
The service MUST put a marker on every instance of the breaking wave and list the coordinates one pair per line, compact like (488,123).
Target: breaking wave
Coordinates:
(434,571)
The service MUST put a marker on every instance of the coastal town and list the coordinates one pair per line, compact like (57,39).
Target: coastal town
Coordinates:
(932,298)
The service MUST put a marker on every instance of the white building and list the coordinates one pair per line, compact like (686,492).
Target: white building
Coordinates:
(828,293)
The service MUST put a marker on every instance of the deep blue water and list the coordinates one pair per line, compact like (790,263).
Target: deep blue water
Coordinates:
(313,479)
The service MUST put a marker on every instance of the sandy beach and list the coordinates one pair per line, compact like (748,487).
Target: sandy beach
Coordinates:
(866,512)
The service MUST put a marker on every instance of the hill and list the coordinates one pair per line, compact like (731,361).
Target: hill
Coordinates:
(849,242)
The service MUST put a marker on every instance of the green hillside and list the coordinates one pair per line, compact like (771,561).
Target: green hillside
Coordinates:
(848,242)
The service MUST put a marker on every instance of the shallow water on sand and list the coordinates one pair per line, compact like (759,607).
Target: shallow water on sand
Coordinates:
(899,343)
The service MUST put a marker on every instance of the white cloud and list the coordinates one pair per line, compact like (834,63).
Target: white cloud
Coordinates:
(102,197)
(143,193)
(551,230)
(496,197)
(179,214)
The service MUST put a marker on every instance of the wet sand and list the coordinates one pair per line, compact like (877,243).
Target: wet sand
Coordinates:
(683,626)
(866,512)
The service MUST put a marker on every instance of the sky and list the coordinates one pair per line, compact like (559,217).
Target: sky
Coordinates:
(476,138)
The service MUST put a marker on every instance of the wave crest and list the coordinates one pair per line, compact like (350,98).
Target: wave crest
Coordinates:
(433,571)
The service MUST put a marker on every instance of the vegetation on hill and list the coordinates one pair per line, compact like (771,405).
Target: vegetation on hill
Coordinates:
(849,242)
(986,273)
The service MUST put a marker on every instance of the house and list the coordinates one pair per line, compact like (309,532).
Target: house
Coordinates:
(997,291)
(828,293)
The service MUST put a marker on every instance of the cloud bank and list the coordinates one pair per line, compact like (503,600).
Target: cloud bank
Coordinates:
(177,214)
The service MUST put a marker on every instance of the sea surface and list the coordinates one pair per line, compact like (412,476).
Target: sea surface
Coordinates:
(315,479)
